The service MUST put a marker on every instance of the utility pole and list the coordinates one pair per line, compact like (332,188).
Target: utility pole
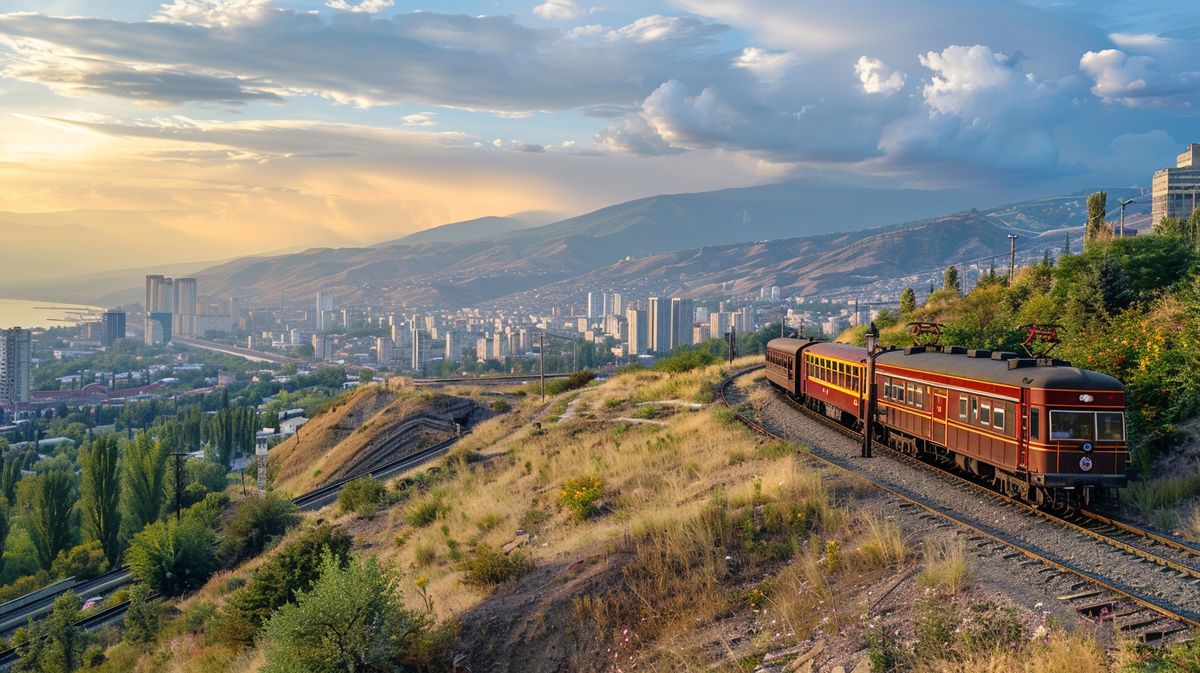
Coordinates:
(542,365)
(1012,256)
(1121,231)
(731,337)
(869,392)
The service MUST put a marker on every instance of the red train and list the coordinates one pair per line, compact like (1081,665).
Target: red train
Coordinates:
(1038,428)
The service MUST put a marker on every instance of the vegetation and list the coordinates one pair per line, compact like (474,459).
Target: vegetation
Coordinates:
(581,495)
(101,495)
(362,496)
(173,557)
(252,524)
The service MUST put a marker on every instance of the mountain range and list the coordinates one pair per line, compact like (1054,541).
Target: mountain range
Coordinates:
(805,238)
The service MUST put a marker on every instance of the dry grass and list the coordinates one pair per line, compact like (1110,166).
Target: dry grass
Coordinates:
(946,565)
(1192,524)
(1061,653)
(881,544)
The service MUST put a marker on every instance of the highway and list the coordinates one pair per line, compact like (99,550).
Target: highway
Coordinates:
(252,355)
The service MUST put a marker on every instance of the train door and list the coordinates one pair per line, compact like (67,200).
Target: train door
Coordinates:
(939,416)
(1023,410)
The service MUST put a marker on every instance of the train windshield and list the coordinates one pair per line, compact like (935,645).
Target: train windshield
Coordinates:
(1087,425)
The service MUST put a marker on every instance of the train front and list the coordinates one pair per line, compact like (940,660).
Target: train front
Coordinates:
(1076,430)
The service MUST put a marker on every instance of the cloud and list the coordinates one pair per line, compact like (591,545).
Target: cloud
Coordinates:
(365,6)
(1134,81)
(767,65)
(675,30)
(876,77)
(1139,40)
(558,10)
(419,119)
(213,13)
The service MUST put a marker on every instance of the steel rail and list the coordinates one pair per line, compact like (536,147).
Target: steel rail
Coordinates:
(1143,601)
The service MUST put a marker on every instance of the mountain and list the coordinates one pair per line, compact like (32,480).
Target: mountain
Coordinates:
(105,288)
(470,230)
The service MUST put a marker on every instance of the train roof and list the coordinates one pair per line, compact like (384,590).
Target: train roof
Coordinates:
(985,368)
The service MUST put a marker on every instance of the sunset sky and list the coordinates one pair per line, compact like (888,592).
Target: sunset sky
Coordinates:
(243,126)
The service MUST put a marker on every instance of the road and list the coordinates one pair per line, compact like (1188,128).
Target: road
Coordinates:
(252,355)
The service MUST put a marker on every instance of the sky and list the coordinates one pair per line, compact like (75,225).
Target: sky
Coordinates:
(241,126)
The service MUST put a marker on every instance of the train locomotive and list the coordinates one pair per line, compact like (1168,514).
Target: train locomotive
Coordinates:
(1034,427)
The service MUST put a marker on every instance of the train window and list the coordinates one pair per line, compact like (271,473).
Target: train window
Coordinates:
(985,413)
(1110,426)
(998,418)
(1035,418)
(1072,425)
(920,397)
(912,393)
(975,409)
(962,407)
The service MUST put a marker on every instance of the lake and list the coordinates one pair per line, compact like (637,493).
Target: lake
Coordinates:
(25,313)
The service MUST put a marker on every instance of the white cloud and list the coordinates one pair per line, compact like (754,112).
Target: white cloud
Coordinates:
(364,6)
(1139,40)
(876,77)
(965,76)
(212,13)
(1136,81)
(662,29)
(558,10)
(585,31)
(419,119)
(768,65)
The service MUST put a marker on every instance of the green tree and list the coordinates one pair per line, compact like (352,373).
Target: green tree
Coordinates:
(1097,205)
(145,470)
(56,644)
(950,280)
(101,495)
(173,557)
(353,620)
(141,617)
(908,301)
(47,503)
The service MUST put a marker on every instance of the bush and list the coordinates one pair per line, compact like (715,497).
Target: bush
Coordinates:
(500,406)
(362,496)
(173,558)
(573,382)
(427,511)
(686,358)
(83,561)
(353,618)
(488,567)
(141,617)
(580,495)
(252,524)
(291,570)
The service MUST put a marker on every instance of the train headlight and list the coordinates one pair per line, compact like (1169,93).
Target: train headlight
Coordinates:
(1086,398)
(1085,464)
(1087,447)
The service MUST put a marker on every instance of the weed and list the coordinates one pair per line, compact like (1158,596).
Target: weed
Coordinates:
(1192,527)
(488,522)
(361,496)
(613,403)
(645,412)
(580,495)
(776,449)
(534,518)
(946,565)
(487,567)
(833,556)
(424,555)
(426,512)
(882,544)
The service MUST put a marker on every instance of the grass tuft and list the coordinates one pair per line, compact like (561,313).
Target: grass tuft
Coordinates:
(945,565)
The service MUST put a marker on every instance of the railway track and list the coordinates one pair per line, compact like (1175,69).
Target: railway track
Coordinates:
(1095,596)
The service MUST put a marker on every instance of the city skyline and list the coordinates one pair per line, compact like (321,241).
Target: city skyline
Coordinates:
(382,119)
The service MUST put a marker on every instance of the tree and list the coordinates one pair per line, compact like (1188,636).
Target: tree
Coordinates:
(1067,245)
(145,470)
(1097,206)
(950,280)
(173,557)
(101,495)
(352,620)
(141,617)
(1047,260)
(56,644)
(47,503)
(908,301)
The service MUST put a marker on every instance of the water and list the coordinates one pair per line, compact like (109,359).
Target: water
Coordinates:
(24,313)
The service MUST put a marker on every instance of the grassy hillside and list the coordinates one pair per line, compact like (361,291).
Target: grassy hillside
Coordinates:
(340,440)
(619,528)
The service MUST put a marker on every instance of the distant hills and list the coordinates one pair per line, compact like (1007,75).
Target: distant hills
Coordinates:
(804,238)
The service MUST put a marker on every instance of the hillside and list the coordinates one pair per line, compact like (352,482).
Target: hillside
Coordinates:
(469,230)
(806,238)
(639,527)
(370,424)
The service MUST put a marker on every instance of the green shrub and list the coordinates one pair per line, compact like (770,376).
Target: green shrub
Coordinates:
(362,496)
(252,524)
(426,512)
(488,522)
(173,558)
(425,555)
(557,386)
(686,358)
(488,567)
(500,406)
(81,561)
(580,495)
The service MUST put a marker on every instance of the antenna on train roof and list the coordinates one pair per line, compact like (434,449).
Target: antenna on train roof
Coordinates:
(1039,339)
(925,333)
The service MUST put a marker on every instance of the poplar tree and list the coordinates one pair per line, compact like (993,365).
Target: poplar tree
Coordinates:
(950,280)
(48,505)
(1097,205)
(908,301)
(145,471)
(101,495)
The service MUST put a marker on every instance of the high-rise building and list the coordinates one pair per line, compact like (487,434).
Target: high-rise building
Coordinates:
(594,304)
(453,352)
(618,304)
(683,312)
(322,346)
(113,327)
(420,349)
(160,294)
(719,323)
(16,366)
(384,351)
(608,307)
(700,333)
(185,311)
(499,346)
(658,316)
(636,331)
(324,311)
(481,349)
(158,328)
(1176,191)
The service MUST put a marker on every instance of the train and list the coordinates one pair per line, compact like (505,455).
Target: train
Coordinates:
(1035,428)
